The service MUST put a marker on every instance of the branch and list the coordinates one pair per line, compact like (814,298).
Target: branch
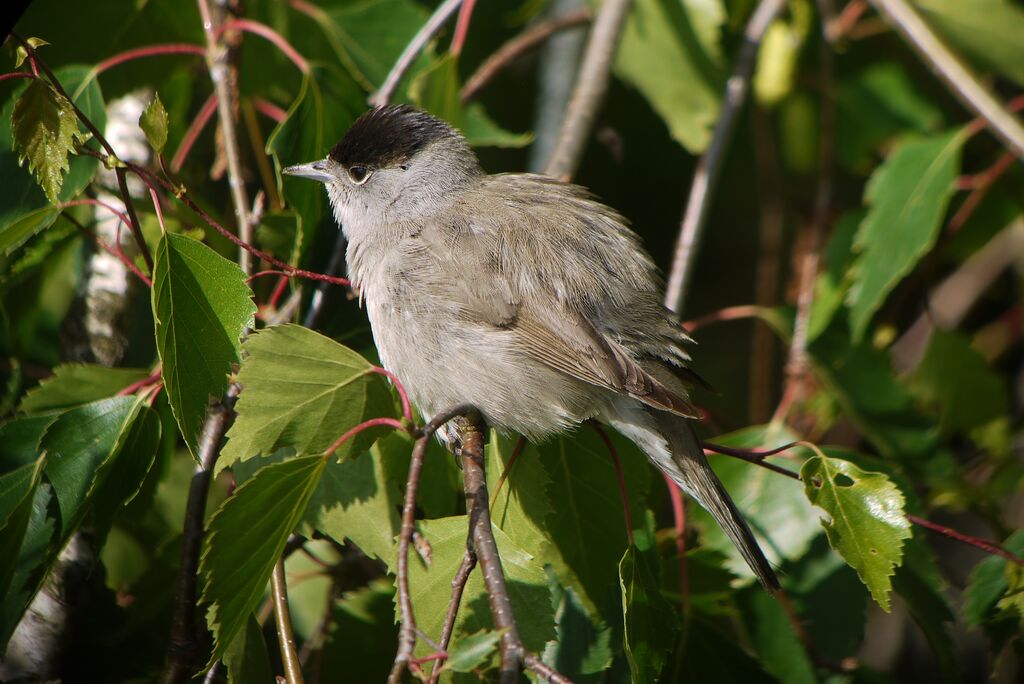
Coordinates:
(591,85)
(216,61)
(710,165)
(963,84)
(471,429)
(283,623)
(412,50)
(458,587)
(184,642)
(518,46)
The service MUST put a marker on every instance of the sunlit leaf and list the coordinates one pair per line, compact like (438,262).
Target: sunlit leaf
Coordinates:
(473,651)
(302,390)
(154,124)
(866,523)
(245,538)
(74,384)
(45,130)
(201,306)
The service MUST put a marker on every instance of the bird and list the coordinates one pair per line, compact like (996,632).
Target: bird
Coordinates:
(519,294)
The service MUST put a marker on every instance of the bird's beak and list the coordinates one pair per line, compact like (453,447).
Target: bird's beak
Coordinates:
(314,171)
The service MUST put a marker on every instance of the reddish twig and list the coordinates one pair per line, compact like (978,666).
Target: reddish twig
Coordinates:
(407,631)
(675,494)
(16,74)
(731,313)
(621,480)
(986,546)
(841,25)
(113,250)
(264,31)
(516,47)
(269,109)
(400,388)
(517,450)
(192,133)
(981,184)
(462,27)
(145,382)
(147,51)
(262,274)
(458,587)
(365,425)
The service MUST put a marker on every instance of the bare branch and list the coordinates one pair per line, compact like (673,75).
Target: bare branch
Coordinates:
(283,623)
(710,166)
(517,47)
(216,60)
(591,85)
(963,84)
(444,11)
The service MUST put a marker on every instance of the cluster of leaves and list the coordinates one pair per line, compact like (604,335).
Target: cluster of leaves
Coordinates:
(109,450)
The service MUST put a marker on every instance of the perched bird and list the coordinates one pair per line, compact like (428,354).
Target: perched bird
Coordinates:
(517,293)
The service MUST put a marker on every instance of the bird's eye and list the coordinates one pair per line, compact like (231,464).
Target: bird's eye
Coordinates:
(358,174)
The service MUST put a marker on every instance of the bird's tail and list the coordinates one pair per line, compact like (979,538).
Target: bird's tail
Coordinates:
(690,469)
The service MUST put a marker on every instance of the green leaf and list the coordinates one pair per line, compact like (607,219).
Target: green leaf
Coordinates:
(919,584)
(989,583)
(968,395)
(581,648)
(17,492)
(361,645)
(246,537)
(648,619)
(356,500)
(987,31)
(73,384)
(76,446)
(907,196)
(21,54)
(302,390)
(24,209)
(779,54)
(866,524)
(201,307)
(246,658)
(473,651)
(670,52)
(833,281)
(773,638)
(774,507)
(154,124)
(45,130)
(430,586)
(19,441)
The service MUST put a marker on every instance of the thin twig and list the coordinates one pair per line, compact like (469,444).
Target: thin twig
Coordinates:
(445,10)
(963,84)
(591,85)
(462,27)
(730,313)
(471,430)
(193,131)
(183,646)
(545,671)
(679,520)
(623,495)
(458,587)
(216,61)
(986,546)
(407,632)
(709,168)
(518,46)
(797,364)
(283,623)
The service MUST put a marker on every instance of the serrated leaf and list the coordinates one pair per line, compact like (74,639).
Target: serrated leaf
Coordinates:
(153,122)
(356,500)
(670,52)
(76,445)
(866,525)
(201,307)
(430,586)
(45,131)
(648,620)
(907,195)
(246,659)
(581,647)
(246,537)
(473,650)
(989,584)
(73,384)
(302,390)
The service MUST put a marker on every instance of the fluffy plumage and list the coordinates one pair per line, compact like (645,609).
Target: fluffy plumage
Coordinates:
(519,294)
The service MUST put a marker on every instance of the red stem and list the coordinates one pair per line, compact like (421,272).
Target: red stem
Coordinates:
(365,425)
(275,296)
(622,481)
(406,406)
(979,124)
(269,109)
(462,27)
(145,382)
(679,517)
(98,203)
(16,74)
(986,546)
(730,313)
(148,51)
(264,31)
(982,183)
(117,252)
(192,134)
(261,274)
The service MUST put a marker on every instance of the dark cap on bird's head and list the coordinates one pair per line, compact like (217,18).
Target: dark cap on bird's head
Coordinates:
(389,136)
